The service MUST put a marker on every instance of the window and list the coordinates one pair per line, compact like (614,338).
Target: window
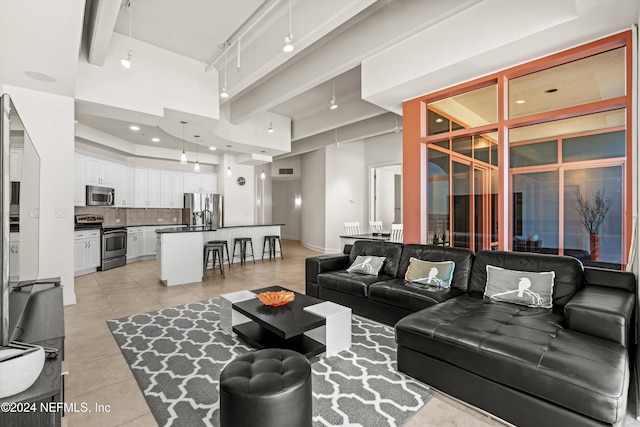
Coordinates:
(561,123)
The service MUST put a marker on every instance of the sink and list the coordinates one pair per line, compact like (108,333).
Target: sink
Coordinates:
(19,369)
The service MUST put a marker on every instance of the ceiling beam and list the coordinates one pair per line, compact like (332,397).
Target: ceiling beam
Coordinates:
(349,111)
(343,50)
(368,128)
(101,22)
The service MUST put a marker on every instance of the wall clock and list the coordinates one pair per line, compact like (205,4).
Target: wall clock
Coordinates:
(241,180)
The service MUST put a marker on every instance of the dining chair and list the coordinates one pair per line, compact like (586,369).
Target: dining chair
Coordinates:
(375,226)
(396,233)
(352,228)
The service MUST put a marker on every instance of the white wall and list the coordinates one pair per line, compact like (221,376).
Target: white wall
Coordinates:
(346,194)
(264,195)
(312,234)
(158,79)
(49,120)
(285,210)
(335,187)
(238,201)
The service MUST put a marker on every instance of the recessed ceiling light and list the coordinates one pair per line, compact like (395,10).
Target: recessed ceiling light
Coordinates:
(155,139)
(551,90)
(212,148)
(43,77)
(134,127)
(439,120)
(520,101)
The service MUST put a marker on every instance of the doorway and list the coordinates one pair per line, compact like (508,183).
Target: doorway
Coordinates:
(385,194)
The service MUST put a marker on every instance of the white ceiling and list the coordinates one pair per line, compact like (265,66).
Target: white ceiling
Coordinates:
(332,38)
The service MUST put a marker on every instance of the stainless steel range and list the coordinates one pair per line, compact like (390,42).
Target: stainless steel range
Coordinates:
(113,245)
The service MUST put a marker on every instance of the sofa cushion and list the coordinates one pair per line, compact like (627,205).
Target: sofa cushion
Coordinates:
(370,265)
(391,251)
(411,297)
(568,271)
(519,287)
(524,348)
(463,258)
(349,283)
(430,273)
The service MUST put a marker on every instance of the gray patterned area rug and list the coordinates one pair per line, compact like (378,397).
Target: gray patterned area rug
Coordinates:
(177,354)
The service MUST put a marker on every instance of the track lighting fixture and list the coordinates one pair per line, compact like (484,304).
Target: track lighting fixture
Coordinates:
(224,93)
(288,40)
(336,142)
(126,62)
(263,176)
(183,157)
(333,104)
(196,166)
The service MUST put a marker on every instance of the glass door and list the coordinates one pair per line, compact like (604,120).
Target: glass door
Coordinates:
(461,205)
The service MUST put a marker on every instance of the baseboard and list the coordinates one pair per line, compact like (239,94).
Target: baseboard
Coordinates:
(312,247)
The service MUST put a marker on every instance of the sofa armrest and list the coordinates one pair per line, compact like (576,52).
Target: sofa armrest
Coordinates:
(320,264)
(602,312)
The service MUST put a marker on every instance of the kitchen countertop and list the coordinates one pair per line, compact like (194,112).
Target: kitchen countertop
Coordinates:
(190,229)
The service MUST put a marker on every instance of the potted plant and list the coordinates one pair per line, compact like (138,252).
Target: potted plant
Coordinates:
(592,213)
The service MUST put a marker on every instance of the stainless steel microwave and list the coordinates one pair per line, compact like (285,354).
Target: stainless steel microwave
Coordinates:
(100,196)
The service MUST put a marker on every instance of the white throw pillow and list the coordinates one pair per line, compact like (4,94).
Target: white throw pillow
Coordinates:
(532,289)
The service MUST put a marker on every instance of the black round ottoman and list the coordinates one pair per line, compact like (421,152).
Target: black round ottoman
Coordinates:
(266,388)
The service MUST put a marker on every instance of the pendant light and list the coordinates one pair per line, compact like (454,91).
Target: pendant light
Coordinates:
(333,104)
(270,129)
(196,166)
(229,160)
(288,40)
(224,93)
(336,142)
(126,62)
(183,157)
(263,176)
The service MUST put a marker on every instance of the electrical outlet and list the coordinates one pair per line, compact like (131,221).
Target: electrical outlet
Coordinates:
(160,219)
(175,219)
(117,220)
(61,213)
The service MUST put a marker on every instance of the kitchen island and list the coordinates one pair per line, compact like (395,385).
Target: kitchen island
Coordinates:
(179,250)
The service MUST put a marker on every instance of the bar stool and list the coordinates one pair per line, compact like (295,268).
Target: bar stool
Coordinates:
(243,248)
(271,240)
(226,247)
(216,248)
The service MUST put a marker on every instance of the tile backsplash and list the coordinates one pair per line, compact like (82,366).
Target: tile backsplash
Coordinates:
(135,216)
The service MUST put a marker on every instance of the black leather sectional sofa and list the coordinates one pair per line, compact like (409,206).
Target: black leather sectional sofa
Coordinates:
(564,366)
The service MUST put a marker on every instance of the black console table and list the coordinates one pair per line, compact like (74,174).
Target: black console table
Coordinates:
(37,317)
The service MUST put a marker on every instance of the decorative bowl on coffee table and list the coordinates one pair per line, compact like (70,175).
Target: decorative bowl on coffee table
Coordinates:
(276,299)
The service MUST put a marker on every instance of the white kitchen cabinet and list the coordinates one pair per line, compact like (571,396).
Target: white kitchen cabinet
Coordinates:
(200,183)
(172,189)
(123,184)
(150,241)
(98,172)
(86,250)
(79,185)
(147,188)
(15,164)
(135,242)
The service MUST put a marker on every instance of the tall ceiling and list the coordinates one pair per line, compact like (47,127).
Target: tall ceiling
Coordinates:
(332,38)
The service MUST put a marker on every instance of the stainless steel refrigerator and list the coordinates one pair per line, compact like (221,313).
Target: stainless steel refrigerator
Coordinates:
(204,209)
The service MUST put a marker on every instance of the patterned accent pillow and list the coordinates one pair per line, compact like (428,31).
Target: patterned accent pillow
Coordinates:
(430,273)
(370,265)
(519,287)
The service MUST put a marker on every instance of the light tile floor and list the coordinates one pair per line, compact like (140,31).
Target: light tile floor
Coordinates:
(99,375)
